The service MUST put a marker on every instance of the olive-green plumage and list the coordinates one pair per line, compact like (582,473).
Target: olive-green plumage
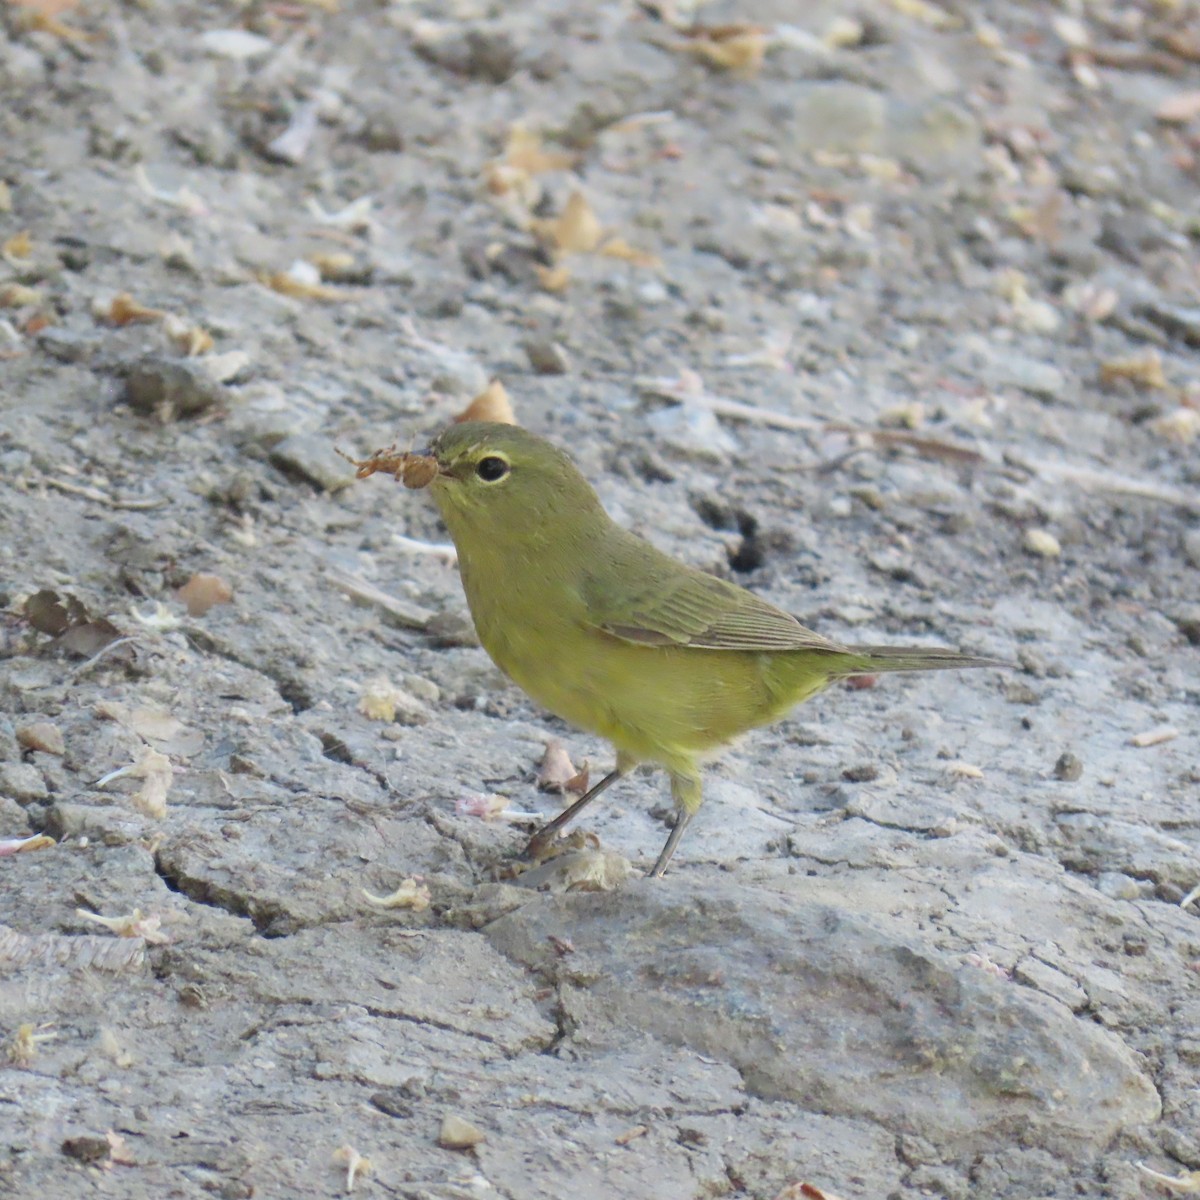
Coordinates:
(607,632)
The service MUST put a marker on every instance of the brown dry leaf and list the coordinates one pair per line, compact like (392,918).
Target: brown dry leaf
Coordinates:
(17,295)
(576,230)
(553,279)
(492,404)
(203,592)
(618,247)
(125,310)
(740,48)
(42,735)
(578,783)
(20,245)
(68,619)
(1180,108)
(90,637)
(556,768)
(49,613)
(1145,370)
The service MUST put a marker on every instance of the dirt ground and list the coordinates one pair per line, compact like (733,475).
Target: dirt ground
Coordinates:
(888,310)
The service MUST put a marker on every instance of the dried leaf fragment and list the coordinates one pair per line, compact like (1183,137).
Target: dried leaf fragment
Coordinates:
(382,700)
(963,770)
(1181,1185)
(203,592)
(17,295)
(618,247)
(739,48)
(123,309)
(356,1164)
(1144,370)
(410,894)
(623,1139)
(38,841)
(42,735)
(483,805)
(189,340)
(157,775)
(134,925)
(553,279)
(19,246)
(22,1049)
(492,404)
(576,230)
(302,281)
(556,768)
(523,150)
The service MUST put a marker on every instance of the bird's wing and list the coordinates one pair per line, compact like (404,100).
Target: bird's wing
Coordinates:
(649,599)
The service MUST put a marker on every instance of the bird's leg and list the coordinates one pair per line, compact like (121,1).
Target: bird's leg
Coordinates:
(685,790)
(544,838)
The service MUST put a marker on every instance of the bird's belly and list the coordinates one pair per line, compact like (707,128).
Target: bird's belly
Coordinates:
(655,704)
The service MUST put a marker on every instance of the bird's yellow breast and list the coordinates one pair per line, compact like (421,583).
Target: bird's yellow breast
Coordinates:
(663,704)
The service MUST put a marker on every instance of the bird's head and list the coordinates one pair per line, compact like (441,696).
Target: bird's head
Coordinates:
(501,483)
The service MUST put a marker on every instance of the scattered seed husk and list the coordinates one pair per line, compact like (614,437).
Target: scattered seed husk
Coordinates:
(1154,737)
(1041,542)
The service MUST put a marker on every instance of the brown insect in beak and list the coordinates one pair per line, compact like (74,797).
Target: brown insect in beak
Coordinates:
(413,470)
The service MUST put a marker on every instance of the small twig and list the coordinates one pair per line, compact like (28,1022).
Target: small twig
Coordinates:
(1091,479)
(90,493)
(433,549)
(411,616)
(84,667)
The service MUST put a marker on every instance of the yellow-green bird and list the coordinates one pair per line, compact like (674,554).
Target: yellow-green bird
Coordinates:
(666,662)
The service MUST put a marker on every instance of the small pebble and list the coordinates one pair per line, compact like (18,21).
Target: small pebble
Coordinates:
(168,388)
(1041,542)
(312,458)
(459,1134)
(863,773)
(547,357)
(1068,768)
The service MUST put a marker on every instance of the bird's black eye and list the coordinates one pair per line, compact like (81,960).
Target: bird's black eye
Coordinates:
(491,469)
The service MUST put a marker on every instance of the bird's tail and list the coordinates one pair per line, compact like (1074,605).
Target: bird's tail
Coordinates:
(866,660)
